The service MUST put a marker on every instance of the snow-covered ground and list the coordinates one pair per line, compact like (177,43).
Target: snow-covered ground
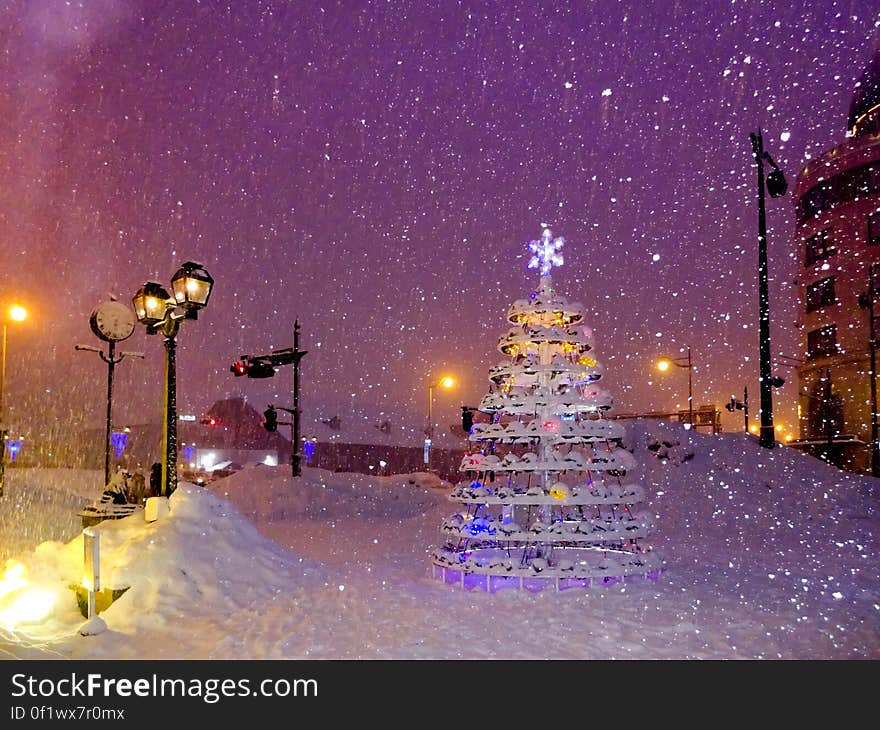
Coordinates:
(768,555)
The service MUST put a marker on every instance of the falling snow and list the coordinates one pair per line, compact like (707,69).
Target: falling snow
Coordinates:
(373,171)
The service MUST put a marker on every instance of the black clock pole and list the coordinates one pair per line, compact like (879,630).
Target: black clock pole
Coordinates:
(111,359)
(111,365)
(106,327)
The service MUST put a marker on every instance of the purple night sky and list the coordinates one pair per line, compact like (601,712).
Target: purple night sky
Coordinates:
(377,169)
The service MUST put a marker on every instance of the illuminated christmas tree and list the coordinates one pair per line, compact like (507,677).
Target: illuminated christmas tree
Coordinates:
(547,502)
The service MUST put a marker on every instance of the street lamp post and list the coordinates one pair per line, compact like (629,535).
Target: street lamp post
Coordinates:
(776,186)
(446,382)
(663,365)
(16,313)
(161,312)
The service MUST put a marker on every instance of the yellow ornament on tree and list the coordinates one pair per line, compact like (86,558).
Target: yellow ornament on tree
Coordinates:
(559,491)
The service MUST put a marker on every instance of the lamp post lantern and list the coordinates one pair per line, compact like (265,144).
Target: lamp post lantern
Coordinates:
(161,312)
(776,185)
(16,313)
(664,363)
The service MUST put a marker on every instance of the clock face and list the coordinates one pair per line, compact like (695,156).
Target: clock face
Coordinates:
(112,321)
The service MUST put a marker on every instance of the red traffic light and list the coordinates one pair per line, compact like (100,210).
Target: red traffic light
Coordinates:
(239,368)
(210,420)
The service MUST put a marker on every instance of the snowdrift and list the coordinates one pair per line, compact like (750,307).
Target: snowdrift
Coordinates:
(201,561)
(768,554)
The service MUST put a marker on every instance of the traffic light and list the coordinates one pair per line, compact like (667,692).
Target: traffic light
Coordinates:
(239,368)
(732,405)
(467,419)
(210,420)
(253,368)
(271,419)
(260,369)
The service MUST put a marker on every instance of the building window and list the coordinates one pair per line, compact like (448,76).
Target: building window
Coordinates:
(819,246)
(821,294)
(874,228)
(842,188)
(822,342)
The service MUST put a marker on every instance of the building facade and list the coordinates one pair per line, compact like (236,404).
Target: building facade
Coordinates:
(838,241)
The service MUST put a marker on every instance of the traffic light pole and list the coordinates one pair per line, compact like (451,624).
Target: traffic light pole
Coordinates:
(263,366)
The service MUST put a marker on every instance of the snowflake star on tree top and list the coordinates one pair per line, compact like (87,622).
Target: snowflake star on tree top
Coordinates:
(546,252)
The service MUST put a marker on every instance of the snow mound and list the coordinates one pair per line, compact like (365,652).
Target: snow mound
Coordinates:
(201,562)
(768,554)
(725,499)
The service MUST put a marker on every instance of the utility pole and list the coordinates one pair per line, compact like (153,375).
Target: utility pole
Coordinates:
(746,409)
(297,356)
(776,186)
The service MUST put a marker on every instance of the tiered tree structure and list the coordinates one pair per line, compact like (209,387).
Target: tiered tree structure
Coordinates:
(547,501)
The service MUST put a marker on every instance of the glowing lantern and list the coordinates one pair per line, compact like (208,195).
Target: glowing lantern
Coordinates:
(19,605)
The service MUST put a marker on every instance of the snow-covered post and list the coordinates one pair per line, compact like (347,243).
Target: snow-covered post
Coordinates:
(92,566)
(92,582)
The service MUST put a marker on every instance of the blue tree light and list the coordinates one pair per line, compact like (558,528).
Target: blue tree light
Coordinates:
(119,439)
(13,447)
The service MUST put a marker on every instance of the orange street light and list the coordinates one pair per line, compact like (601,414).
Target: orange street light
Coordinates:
(447,382)
(664,363)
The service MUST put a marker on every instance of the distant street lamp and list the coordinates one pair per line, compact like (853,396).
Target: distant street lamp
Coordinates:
(776,185)
(447,382)
(161,312)
(663,365)
(16,313)
(111,322)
